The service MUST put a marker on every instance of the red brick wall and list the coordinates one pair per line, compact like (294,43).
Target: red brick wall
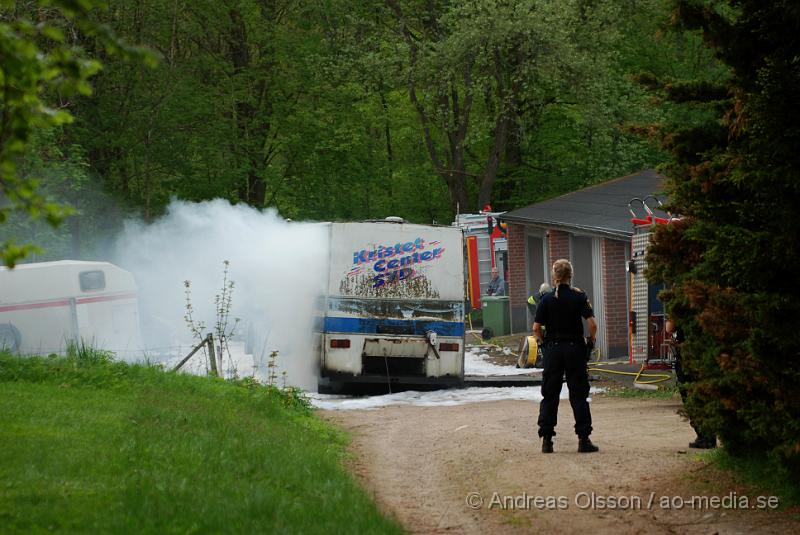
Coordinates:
(557,246)
(615,305)
(517,290)
(517,278)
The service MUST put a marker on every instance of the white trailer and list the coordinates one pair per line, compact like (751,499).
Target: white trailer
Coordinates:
(394,309)
(46,306)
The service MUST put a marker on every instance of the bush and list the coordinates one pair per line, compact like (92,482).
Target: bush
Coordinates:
(732,262)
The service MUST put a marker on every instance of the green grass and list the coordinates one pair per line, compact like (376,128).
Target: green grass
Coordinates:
(768,476)
(615,389)
(90,445)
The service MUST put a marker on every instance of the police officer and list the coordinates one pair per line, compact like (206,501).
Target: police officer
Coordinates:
(565,350)
(705,439)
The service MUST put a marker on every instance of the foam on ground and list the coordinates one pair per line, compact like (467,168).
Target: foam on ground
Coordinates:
(438,398)
(476,364)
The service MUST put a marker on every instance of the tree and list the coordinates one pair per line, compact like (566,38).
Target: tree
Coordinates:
(63,173)
(468,70)
(41,69)
(307,107)
(732,261)
(576,133)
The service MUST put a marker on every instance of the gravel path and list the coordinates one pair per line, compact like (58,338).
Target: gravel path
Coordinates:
(423,465)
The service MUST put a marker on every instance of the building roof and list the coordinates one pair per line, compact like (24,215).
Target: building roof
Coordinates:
(601,209)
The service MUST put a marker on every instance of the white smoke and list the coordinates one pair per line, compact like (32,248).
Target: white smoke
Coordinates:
(279,269)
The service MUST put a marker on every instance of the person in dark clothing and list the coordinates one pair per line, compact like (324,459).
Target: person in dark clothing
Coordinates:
(535,299)
(705,439)
(565,351)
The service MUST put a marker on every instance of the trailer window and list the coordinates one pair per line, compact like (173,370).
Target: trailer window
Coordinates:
(92,280)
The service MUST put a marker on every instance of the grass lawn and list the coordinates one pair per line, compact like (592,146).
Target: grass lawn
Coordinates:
(615,389)
(94,446)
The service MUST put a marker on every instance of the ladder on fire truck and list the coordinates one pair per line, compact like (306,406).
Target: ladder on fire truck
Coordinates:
(648,340)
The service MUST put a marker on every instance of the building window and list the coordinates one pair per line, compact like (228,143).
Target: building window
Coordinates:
(92,280)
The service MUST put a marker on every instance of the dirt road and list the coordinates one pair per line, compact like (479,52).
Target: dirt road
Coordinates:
(424,464)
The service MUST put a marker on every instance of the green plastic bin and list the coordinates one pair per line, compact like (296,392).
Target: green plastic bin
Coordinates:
(496,314)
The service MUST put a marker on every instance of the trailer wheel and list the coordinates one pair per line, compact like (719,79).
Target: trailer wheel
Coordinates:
(10,338)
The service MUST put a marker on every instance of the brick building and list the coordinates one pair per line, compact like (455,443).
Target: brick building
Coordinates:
(592,228)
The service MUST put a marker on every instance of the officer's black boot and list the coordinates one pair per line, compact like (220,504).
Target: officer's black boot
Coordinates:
(585,445)
(547,444)
(704,442)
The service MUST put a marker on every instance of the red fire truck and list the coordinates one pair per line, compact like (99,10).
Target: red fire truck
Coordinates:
(487,247)
(648,341)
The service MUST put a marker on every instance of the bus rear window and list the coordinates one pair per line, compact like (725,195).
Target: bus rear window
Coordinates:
(92,280)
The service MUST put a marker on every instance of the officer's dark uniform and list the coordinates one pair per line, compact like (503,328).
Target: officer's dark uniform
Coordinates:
(564,351)
(533,302)
(705,439)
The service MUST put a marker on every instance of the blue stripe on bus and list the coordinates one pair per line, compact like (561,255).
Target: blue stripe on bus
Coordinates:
(370,326)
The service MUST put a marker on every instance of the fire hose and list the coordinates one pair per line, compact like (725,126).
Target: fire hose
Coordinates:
(649,384)
(653,378)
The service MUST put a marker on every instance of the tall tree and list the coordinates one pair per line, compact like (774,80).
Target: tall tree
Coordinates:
(204,123)
(468,67)
(733,259)
(41,69)
(307,107)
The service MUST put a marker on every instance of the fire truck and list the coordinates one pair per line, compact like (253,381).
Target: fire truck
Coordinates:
(648,341)
(486,247)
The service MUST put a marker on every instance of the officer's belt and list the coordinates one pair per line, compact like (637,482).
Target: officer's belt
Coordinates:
(561,339)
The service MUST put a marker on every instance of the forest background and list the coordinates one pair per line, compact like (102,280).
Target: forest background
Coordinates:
(340,110)
(336,110)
